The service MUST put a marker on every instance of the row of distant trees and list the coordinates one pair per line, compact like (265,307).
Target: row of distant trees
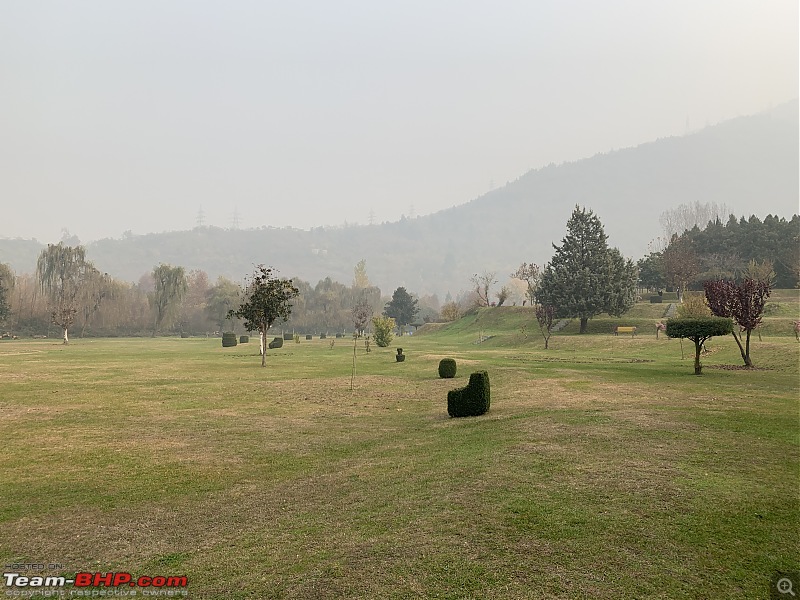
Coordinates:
(584,278)
(68,295)
(736,249)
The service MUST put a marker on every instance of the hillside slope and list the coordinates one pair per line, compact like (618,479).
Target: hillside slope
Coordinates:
(750,164)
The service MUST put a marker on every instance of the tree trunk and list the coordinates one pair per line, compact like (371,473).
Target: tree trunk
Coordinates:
(698,344)
(745,354)
(66,336)
(264,346)
(584,322)
(353,374)
(747,361)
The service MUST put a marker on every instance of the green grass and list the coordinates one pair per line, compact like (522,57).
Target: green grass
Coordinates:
(604,468)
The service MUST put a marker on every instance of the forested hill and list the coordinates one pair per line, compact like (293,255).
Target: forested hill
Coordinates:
(749,164)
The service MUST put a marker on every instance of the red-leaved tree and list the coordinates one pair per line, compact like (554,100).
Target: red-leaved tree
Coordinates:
(743,302)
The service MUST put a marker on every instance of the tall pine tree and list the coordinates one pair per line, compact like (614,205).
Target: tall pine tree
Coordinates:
(585,277)
(402,308)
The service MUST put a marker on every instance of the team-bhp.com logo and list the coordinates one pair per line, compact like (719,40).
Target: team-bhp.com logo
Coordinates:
(155,585)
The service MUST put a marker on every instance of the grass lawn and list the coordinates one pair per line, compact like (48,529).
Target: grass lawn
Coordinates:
(604,469)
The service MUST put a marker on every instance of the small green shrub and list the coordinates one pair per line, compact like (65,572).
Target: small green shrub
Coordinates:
(276,343)
(184,335)
(244,339)
(322,336)
(472,400)
(288,337)
(400,356)
(308,336)
(447,368)
(383,330)
(296,338)
(338,336)
(228,339)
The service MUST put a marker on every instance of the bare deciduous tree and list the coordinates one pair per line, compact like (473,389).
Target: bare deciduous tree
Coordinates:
(687,216)
(483,284)
(531,274)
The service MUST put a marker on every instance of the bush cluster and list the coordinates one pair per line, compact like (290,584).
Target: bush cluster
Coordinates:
(276,343)
(447,368)
(228,339)
(472,400)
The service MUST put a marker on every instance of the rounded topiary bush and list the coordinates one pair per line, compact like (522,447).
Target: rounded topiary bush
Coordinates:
(447,368)
(276,343)
(244,339)
(228,339)
(472,400)
(400,356)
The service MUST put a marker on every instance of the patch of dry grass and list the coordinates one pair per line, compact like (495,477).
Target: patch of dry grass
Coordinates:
(593,477)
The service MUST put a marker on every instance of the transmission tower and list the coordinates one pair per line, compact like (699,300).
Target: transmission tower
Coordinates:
(235,220)
(201,217)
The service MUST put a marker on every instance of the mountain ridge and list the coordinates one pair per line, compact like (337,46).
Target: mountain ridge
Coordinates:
(749,164)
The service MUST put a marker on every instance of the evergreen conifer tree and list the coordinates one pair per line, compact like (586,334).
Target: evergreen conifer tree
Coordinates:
(585,277)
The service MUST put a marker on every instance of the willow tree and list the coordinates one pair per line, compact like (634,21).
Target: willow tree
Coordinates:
(96,287)
(6,285)
(63,274)
(170,289)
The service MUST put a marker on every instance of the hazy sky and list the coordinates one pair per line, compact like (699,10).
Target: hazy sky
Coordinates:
(134,114)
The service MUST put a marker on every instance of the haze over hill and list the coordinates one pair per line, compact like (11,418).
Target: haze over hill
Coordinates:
(750,164)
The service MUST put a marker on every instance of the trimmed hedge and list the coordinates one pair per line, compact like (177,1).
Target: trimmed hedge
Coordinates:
(472,400)
(276,343)
(288,336)
(447,368)
(322,336)
(656,299)
(228,339)
(184,335)
(701,327)
(244,339)
(309,336)
(698,330)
